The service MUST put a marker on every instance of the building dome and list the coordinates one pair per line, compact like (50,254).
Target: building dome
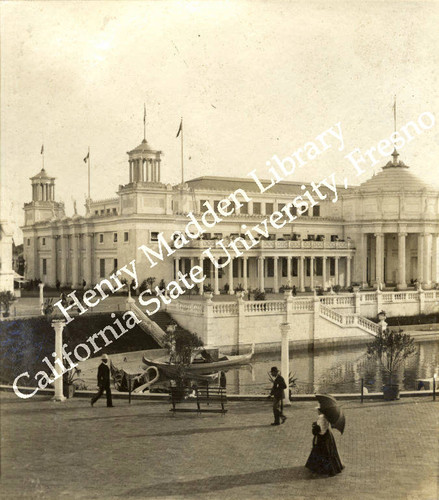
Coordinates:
(42,174)
(394,176)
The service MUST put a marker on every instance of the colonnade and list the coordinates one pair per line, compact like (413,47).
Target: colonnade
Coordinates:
(43,191)
(426,253)
(261,273)
(144,170)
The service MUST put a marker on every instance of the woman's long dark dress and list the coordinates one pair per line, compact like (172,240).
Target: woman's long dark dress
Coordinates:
(324,457)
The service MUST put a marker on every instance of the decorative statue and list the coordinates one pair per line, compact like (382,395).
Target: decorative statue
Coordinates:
(75,210)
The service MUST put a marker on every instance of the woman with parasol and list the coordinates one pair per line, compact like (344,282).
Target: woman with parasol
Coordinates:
(324,457)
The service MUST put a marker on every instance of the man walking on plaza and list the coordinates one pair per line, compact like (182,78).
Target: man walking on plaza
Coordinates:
(103,382)
(278,394)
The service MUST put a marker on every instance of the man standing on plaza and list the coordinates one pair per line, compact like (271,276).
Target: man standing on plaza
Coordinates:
(103,382)
(278,394)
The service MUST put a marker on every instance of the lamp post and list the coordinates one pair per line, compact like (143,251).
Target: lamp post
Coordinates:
(58,325)
(41,286)
(285,360)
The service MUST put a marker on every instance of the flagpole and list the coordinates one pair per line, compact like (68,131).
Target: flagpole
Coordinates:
(88,164)
(144,122)
(182,170)
(394,113)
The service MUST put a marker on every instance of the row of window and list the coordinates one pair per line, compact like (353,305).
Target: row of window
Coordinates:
(101,267)
(126,238)
(110,211)
(257,208)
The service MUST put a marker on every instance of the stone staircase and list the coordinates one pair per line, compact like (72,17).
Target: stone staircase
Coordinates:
(349,320)
(154,325)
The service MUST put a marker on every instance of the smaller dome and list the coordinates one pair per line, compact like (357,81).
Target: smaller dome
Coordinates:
(143,147)
(42,174)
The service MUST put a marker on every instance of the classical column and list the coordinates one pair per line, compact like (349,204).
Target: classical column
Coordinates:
(215,270)
(261,274)
(348,270)
(58,325)
(63,277)
(427,259)
(276,274)
(324,272)
(420,258)
(289,271)
(244,272)
(364,259)
(176,266)
(301,273)
(201,259)
(230,267)
(434,256)
(402,281)
(337,278)
(75,277)
(285,359)
(88,260)
(311,272)
(379,258)
(54,255)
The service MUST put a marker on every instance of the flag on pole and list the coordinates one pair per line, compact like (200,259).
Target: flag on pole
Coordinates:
(42,149)
(144,114)
(87,157)
(180,128)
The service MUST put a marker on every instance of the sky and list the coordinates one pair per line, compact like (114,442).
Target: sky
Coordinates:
(250,79)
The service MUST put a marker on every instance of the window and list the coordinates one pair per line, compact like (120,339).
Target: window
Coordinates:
(316,211)
(256,208)
(280,206)
(332,266)
(108,211)
(270,267)
(102,212)
(319,266)
(125,236)
(155,236)
(28,242)
(306,213)
(96,212)
(271,236)
(244,208)
(286,237)
(217,236)
(44,244)
(102,268)
(202,207)
(115,237)
(295,267)
(44,266)
(115,264)
(293,210)
(308,266)
(269,208)
(101,238)
(215,205)
(285,267)
(114,211)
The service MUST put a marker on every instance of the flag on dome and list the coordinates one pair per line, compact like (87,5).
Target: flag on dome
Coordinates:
(42,149)
(87,157)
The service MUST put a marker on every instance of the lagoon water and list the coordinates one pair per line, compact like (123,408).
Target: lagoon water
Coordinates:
(334,370)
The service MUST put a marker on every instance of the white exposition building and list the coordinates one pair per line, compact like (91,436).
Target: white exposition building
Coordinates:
(384,231)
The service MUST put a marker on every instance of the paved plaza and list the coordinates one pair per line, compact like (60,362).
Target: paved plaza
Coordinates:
(70,450)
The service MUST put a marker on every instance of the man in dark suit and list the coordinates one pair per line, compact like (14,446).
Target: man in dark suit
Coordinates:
(278,394)
(103,382)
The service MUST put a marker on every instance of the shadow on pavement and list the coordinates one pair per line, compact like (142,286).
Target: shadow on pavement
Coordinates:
(217,483)
(204,430)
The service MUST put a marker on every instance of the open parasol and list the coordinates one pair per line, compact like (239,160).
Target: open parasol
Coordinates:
(332,411)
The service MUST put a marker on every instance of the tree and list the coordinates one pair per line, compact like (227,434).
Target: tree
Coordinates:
(392,349)
(6,299)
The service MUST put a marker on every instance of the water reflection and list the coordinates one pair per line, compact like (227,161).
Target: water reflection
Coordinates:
(337,370)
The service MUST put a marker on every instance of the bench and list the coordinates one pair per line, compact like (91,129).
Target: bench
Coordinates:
(203,400)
